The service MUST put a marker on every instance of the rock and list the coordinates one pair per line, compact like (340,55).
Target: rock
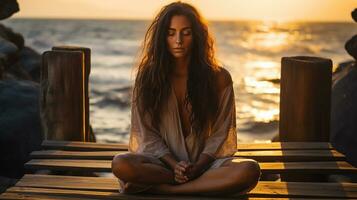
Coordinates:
(6,183)
(8,52)
(8,34)
(16,72)
(2,69)
(8,8)
(343,65)
(343,134)
(351,47)
(20,126)
(30,62)
(354,14)
(341,71)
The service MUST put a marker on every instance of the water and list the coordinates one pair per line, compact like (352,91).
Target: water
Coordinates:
(251,51)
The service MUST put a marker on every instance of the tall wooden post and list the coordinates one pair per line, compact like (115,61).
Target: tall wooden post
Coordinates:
(64,93)
(87,67)
(305,99)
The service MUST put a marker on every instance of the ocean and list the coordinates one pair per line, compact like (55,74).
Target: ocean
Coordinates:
(250,51)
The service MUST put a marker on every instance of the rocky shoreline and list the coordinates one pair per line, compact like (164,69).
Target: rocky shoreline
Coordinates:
(343,134)
(20,124)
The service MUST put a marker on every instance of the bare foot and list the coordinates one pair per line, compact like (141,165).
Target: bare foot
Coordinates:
(133,188)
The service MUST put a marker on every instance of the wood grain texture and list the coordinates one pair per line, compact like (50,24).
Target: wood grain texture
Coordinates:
(85,136)
(62,95)
(92,146)
(265,156)
(305,99)
(339,167)
(109,186)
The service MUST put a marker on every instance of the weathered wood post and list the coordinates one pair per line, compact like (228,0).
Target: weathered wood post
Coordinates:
(305,98)
(64,93)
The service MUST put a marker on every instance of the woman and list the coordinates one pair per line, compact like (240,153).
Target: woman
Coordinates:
(183,131)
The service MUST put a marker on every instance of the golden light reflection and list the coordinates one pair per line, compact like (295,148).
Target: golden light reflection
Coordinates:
(255,86)
(272,36)
(260,115)
(261,64)
(273,39)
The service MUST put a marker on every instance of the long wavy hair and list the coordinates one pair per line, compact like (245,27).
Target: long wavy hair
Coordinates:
(154,71)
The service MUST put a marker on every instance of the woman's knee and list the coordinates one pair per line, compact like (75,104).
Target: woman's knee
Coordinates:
(123,167)
(247,174)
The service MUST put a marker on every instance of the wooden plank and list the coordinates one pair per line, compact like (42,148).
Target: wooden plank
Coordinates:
(62,192)
(82,146)
(21,196)
(70,165)
(285,146)
(263,188)
(105,195)
(291,155)
(305,189)
(69,182)
(339,167)
(92,146)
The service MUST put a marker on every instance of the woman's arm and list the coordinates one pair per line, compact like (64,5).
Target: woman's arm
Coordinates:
(169,160)
(222,140)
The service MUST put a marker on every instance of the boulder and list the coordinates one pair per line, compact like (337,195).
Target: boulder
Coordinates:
(343,134)
(351,47)
(354,14)
(8,34)
(8,8)
(8,52)
(30,62)
(20,126)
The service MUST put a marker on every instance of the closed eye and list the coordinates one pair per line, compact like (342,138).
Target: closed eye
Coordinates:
(171,32)
(187,32)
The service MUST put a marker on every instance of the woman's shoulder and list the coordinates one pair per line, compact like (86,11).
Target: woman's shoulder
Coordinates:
(223,78)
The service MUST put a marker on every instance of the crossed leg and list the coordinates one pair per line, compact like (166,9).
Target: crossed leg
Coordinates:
(233,176)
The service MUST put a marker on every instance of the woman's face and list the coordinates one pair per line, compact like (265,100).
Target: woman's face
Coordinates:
(179,37)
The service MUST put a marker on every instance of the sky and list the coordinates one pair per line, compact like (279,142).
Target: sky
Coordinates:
(265,10)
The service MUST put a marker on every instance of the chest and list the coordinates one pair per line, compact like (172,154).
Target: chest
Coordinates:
(179,88)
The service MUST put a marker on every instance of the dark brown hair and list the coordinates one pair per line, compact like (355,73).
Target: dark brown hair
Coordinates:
(152,83)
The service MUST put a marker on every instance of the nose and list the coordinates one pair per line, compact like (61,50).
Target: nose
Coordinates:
(178,38)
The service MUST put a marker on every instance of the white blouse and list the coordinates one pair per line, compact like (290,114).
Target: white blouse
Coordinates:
(220,141)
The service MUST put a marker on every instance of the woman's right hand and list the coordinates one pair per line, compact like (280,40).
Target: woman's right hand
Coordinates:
(180,171)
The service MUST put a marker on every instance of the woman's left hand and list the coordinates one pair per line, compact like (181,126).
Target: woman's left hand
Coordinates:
(193,172)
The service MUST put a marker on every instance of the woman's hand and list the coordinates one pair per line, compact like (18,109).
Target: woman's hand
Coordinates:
(193,172)
(181,169)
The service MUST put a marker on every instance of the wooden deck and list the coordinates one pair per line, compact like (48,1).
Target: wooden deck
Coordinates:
(274,158)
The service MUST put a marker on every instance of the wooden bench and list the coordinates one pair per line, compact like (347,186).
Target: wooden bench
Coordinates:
(274,158)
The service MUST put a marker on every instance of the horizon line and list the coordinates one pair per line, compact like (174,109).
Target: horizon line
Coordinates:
(212,20)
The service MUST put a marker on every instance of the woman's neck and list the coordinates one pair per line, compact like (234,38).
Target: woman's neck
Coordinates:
(181,67)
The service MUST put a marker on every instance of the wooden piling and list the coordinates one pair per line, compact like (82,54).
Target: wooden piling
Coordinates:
(64,94)
(87,136)
(305,99)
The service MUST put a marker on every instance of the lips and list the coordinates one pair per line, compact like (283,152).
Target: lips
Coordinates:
(179,49)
